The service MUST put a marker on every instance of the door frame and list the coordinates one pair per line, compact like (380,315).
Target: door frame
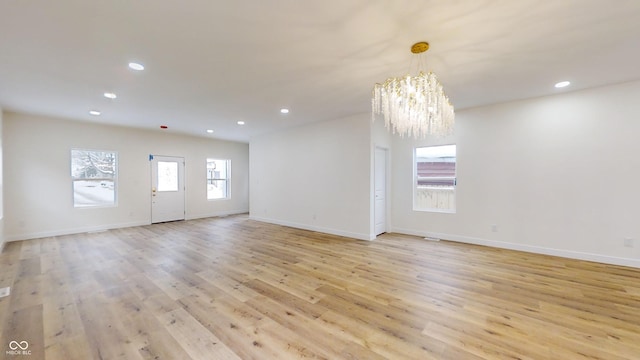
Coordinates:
(385,150)
(181,177)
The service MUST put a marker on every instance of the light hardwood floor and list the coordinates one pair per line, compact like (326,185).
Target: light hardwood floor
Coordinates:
(233,288)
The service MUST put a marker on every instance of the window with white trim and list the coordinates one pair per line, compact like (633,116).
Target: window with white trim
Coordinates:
(218,176)
(94,177)
(435,178)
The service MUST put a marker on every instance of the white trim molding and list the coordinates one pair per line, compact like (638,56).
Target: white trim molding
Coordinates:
(569,254)
(71,231)
(330,231)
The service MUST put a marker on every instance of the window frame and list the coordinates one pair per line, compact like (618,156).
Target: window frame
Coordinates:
(226,179)
(451,209)
(75,178)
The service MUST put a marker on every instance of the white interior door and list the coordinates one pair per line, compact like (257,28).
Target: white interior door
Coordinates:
(380,191)
(167,188)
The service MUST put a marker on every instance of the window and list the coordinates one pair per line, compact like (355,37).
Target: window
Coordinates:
(218,175)
(167,176)
(94,178)
(435,178)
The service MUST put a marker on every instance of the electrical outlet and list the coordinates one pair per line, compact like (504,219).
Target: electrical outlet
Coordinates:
(5,292)
(628,242)
(494,228)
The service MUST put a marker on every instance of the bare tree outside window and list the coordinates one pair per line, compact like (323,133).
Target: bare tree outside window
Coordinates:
(94,177)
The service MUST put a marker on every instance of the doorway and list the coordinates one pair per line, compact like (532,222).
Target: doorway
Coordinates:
(380,191)
(167,188)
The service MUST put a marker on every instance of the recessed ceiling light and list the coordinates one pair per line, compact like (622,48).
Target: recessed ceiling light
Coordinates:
(109,95)
(136,66)
(210,131)
(562,84)
(284,111)
(240,122)
(94,112)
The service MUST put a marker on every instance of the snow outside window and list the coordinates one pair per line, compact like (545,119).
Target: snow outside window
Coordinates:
(93,174)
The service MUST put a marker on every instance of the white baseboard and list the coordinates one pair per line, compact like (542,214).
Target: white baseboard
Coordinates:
(612,260)
(337,232)
(217,214)
(79,230)
(70,231)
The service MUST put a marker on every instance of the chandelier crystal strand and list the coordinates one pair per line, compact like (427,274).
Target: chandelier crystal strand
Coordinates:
(414,106)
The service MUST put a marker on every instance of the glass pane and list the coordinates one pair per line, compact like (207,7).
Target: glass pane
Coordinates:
(167,176)
(435,170)
(92,164)
(217,189)
(432,152)
(94,176)
(217,169)
(434,181)
(217,179)
(436,165)
(93,192)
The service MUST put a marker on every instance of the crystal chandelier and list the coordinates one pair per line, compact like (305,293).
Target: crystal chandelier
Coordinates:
(414,105)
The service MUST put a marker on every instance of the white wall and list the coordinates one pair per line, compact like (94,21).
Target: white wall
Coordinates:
(315,177)
(39,200)
(2,237)
(557,175)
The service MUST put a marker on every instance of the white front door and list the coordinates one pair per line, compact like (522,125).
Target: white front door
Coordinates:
(380,191)
(167,188)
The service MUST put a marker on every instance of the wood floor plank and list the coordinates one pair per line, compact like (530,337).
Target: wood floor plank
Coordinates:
(235,288)
(306,329)
(70,348)
(353,351)
(63,320)
(25,327)
(242,334)
(106,335)
(195,339)
(232,287)
(312,311)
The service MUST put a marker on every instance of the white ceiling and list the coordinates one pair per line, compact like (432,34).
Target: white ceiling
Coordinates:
(211,63)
